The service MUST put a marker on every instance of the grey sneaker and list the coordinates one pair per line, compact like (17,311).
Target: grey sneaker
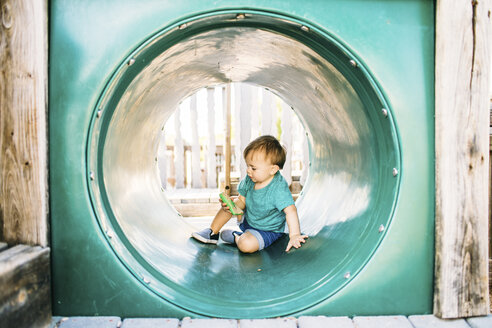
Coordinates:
(206,236)
(229,236)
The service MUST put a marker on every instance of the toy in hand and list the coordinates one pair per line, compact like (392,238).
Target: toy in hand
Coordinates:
(232,207)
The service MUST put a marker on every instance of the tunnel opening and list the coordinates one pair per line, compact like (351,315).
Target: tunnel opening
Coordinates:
(191,151)
(354,162)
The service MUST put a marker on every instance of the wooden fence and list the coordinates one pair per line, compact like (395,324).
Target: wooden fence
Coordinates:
(192,149)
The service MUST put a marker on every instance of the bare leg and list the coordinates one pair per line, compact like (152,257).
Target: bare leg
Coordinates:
(220,220)
(247,243)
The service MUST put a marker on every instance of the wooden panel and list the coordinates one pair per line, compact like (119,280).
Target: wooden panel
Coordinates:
(462,129)
(305,161)
(227,141)
(245,125)
(211,149)
(236,122)
(286,138)
(179,158)
(23,140)
(197,209)
(196,171)
(162,160)
(25,284)
(267,107)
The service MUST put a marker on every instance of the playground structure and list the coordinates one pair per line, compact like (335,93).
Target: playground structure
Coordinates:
(108,213)
(353,204)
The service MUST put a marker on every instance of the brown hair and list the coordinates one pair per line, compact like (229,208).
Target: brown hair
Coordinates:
(272,148)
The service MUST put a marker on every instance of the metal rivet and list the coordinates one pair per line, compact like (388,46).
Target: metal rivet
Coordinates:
(240,16)
(347,275)
(183,26)
(109,234)
(131,62)
(99,112)
(385,112)
(381,228)
(147,281)
(353,63)
(305,28)
(92,176)
(395,172)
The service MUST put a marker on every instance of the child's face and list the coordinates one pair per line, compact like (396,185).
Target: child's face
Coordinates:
(260,169)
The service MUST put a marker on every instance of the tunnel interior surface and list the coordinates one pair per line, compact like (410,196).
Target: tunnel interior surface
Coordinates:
(346,205)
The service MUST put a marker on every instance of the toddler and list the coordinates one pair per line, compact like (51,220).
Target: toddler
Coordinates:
(265,198)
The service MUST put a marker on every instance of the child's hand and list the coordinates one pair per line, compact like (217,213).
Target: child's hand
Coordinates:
(295,241)
(225,208)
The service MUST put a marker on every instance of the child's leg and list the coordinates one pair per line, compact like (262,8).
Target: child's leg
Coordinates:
(211,235)
(220,219)
(247,243)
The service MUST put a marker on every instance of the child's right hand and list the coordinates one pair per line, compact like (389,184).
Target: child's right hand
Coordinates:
(225,208)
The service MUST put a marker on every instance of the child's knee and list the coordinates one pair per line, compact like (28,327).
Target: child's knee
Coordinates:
(247,243)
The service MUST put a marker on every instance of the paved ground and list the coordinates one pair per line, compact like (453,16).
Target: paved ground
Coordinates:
(417,321)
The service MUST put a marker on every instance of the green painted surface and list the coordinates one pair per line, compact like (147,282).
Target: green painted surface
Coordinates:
(119,248)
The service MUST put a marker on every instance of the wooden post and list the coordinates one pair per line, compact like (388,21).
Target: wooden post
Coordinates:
(286,139)
(196,170)
(244,119)
(267,107)
(179,153)
(211,161)
(227,144)
(162,160)
(462,71)
(236,114)
(25,300)
(23,133)
(305,160)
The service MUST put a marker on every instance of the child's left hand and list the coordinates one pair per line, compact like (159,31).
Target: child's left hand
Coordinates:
(295,241)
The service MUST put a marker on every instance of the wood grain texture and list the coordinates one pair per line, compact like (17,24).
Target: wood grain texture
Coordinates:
(462,126)
(25,300)
(212,147)
(227,142)
(23,136)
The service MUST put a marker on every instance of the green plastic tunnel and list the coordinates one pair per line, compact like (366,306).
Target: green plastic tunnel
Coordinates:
(119,247)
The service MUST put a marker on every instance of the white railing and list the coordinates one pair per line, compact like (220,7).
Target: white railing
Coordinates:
(191,152)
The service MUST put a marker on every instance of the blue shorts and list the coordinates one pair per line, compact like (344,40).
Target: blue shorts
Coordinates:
(265,238)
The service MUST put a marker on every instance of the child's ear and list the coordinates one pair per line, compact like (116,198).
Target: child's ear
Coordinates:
(275,169)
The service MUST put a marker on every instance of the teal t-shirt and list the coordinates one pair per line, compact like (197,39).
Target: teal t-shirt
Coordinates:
(264,207)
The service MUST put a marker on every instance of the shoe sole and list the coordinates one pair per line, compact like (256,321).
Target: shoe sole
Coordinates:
(203,239)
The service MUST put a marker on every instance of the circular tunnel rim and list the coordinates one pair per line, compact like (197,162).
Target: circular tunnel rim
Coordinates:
(112,233)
